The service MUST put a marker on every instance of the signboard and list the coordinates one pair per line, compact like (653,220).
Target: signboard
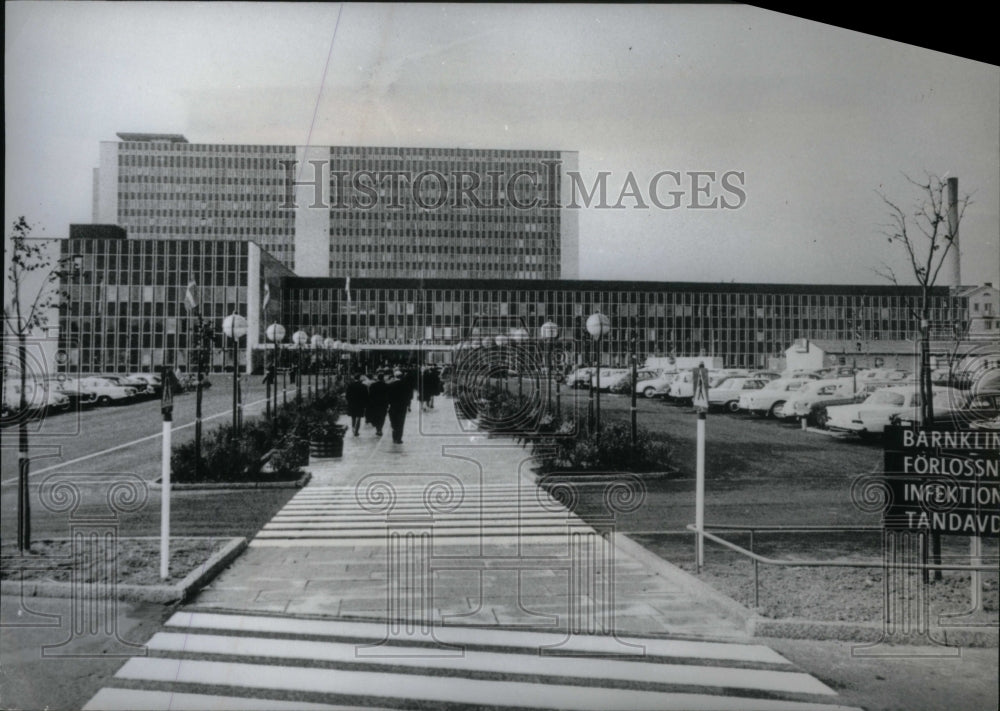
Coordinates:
(947,482)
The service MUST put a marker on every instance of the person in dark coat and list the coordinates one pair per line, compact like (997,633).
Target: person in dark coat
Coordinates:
(433,384)
(378,403)
(356,395)
(400,394)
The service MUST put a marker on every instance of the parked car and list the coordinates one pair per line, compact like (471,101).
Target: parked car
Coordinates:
(767,375)
(153,381)
(727,393)
(770,397)
(869,418)
(579,378)
(813,397)
(973,408)
(140,385)
(107,390)
(70,387)
(655,387)
(610,376)
(39,397)
(626,384)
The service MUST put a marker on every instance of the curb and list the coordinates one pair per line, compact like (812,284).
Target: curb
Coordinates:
(688,583)
(294,484)
(796,628)
(870,632)
(160,592)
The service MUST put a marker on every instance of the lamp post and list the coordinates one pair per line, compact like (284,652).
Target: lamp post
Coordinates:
(299,338)
(235,327)
(501,342)
(633,336)
(274,333)
(317,343)
(597,326)
(519,335)
(549,333)
(331,347)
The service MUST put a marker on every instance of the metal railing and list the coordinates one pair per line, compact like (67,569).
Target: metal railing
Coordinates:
(758,559)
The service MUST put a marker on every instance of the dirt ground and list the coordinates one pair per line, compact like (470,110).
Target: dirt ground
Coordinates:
(131,563)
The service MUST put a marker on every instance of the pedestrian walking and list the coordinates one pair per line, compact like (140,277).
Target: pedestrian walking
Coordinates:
(378,403)
(400,395)
(356,395)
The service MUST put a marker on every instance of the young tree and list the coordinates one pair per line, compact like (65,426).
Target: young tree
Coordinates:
(30,292)
(926,235)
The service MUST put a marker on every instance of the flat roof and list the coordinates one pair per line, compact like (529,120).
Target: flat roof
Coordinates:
(152,137)
(299,282)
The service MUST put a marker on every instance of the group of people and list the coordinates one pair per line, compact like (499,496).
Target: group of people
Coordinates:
(389,392)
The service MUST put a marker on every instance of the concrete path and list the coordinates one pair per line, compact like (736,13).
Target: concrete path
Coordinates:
(486,545)
(436,573)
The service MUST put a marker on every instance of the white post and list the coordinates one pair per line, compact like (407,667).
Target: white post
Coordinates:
(699,497)
(975,558)
(165,501)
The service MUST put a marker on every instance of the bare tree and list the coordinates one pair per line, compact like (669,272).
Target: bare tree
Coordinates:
(926,234)
(30,292)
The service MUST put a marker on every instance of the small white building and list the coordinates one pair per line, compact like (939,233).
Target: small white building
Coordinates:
(984,311)
(806,354)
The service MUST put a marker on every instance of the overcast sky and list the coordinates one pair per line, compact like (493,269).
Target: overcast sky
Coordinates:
(816,117)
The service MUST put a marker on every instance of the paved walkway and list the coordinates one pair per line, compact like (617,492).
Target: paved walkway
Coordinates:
(489,546)
(435,574)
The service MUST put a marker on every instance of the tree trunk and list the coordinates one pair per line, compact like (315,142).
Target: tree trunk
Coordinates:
(23,463)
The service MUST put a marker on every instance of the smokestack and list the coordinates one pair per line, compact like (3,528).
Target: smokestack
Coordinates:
(955,255)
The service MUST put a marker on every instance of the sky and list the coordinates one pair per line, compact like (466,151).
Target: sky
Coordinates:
(818,119)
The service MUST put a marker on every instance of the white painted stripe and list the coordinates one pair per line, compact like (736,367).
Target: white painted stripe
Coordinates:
(481,636)
(437,688)
(109,699)
(537,517)
(338,542)
(503,663)
(439,527)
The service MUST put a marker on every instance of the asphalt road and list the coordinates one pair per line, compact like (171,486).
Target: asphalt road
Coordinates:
(96,447)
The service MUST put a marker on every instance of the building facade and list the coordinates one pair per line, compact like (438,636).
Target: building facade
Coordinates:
(350,211)
(745,324)
(124,308)
(984,311)
(126,312)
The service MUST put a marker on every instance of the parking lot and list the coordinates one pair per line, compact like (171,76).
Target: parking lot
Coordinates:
(92,445)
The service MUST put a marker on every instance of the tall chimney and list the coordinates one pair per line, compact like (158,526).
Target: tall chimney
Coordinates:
(955,255)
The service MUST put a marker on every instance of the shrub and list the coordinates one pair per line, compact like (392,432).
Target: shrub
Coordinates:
(611,450)
(227,457)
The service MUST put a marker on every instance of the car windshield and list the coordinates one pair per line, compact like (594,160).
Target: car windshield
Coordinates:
(884,397)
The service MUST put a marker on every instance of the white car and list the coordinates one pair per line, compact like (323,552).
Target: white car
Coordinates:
(771,397)
(108,391)
(727,393)
(39,397)
(814,393)
(869,418)
(657,385)
(610,376)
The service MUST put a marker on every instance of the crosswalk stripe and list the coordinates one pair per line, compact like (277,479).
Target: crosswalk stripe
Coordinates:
(439,689)
(457,530)
(341,542)
(505,663)
(476,636)
(113,699)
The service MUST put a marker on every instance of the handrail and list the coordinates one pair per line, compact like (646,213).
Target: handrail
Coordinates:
(757,558)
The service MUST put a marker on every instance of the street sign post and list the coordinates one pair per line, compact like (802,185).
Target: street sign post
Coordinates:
(700,401)
(167,409)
